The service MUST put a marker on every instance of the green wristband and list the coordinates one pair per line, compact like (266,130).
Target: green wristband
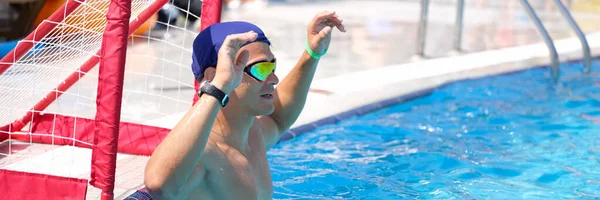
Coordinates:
(312,53)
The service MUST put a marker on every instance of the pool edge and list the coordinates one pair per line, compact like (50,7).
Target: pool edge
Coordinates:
(567,51)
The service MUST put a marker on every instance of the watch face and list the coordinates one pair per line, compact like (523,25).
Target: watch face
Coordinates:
(204,85)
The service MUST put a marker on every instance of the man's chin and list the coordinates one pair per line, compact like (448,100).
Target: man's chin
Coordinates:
(267,111)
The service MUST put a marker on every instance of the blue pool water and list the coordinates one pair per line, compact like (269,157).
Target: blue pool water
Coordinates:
(512,136)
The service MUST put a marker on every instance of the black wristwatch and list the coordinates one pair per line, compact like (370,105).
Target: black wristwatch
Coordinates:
(210,89)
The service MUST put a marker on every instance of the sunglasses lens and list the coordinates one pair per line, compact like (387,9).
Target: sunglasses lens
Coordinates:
(262,70)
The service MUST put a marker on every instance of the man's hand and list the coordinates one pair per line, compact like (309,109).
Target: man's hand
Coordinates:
(319,30)
(229,72)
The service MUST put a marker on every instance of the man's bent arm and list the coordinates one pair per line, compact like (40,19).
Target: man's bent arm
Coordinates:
(175,159)
(291,93)
(291,96)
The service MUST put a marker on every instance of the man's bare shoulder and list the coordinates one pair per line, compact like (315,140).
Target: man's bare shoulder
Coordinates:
(259,132)
(268,130)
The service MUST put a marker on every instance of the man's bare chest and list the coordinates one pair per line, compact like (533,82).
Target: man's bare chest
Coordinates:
(237,176)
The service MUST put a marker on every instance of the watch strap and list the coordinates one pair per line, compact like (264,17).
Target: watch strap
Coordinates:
(207,88)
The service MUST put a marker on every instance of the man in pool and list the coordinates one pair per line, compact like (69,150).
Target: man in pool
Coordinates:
(218,150)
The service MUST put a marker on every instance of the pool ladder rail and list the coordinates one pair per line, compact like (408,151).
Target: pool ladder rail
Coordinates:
(554,65)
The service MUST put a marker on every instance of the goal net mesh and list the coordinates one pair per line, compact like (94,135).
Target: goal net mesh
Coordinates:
(48,94)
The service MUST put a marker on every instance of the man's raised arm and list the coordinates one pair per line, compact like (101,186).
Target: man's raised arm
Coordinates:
(172,163)
(291,93)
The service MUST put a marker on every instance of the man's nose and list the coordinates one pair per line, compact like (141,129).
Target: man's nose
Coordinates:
(272,79)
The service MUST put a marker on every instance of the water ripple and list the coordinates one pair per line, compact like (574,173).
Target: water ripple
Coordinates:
(513,136)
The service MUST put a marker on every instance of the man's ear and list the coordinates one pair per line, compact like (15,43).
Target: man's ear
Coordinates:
(209,73)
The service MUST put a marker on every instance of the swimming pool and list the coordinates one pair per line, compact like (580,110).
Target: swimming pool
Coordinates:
(511,136)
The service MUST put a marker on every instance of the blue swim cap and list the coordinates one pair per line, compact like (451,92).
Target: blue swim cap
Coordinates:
(208,42)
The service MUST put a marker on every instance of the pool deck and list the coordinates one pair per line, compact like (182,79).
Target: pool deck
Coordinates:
(340,94)
(374,61)
(367,90)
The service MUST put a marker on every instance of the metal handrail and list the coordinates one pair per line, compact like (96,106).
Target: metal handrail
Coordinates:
(587,57)
(422,29)
(459,25)
(554,66)
(551,48)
